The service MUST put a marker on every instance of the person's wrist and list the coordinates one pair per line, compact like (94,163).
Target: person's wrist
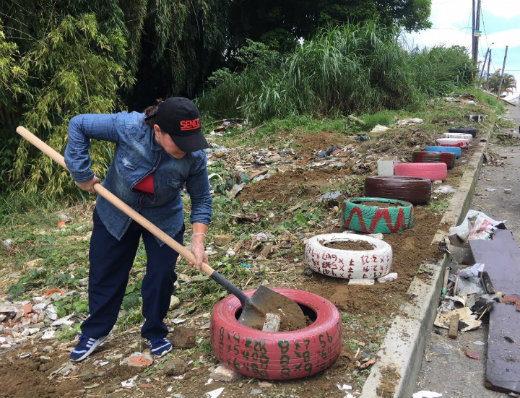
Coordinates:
(198,238)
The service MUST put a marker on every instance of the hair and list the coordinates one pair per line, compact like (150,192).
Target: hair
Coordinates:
(151,111)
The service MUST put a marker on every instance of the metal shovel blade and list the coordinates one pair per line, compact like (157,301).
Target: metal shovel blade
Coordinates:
(264,301)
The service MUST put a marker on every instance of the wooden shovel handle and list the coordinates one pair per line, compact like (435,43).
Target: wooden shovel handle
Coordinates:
(105,193)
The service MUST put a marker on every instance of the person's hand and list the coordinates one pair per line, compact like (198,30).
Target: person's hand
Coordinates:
(197,248)
(88,185)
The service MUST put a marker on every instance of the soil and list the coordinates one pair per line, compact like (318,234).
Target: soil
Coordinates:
(349,245)
(367,311)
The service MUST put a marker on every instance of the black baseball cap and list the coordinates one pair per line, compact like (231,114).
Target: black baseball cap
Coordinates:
(180,118)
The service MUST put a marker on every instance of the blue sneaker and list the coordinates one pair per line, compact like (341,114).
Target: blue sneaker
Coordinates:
(160,346)
(85,347)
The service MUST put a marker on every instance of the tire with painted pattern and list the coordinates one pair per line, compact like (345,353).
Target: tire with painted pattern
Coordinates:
(468,137)
(415,190)
(456,142)
(348,264)
(367,218)
(431,171)
(277,355)
(452,149)
(432,157)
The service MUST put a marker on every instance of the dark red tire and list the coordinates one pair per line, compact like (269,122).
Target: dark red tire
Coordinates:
(415,190)
(277,355)
(431,171)
(464,130)
(432,157)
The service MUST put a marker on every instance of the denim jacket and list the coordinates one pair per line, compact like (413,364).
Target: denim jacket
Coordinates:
(137,154)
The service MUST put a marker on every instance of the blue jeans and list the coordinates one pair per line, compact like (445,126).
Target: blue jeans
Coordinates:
(110,263)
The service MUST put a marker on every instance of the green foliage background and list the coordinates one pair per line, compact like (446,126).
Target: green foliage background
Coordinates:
(59,58)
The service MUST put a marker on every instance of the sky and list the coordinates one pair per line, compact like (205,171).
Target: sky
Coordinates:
(499,24)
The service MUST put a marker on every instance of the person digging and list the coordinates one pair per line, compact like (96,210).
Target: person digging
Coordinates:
(157,153)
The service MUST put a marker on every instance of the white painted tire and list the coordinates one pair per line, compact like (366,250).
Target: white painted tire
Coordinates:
(468,137)
(456,142)
(348,264)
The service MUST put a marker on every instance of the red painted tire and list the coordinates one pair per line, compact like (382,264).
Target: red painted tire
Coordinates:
(456,142)
(431,171)
(410,189)
(432,157)
(348,264)
(277,355)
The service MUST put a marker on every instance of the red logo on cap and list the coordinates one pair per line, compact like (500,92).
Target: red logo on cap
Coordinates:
(187,125)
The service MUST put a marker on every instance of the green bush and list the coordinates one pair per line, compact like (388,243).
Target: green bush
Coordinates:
(353,68)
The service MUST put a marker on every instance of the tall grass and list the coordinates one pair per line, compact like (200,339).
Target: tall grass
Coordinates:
(353,68)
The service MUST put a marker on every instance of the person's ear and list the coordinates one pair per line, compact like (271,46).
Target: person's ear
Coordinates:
(157,131)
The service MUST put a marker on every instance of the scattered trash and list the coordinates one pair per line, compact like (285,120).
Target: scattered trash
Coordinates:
(221,373)
(345,388)
(236,189)
(476,225)
(478,342)
(468,320)
(507,190)
(445,189)
(476,118)
(330,151)
(392,276)
(472,354)
(491,189)
(473,271)
(362,138)
(214,393)
(407,122)
(426,394)
(379,129)
(130,383)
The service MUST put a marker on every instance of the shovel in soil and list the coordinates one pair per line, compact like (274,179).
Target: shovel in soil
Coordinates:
(254,309)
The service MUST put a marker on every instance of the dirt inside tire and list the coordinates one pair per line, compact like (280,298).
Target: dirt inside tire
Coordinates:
(349,245)
(381,204)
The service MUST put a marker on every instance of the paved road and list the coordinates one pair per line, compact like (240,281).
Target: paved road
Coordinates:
(445,369)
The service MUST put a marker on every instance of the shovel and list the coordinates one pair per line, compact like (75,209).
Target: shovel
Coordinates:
(254,309)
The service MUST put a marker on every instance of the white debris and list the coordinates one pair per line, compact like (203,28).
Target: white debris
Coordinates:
(63,321)
(49,334)
(426,394)
(379,128)
(362,282)
(221,373)
(130,383)
(214,393)
(392,276)
(345,388)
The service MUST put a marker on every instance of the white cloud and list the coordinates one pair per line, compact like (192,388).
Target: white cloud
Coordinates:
(509,37)
(506,9)
(445,13)
(438,37)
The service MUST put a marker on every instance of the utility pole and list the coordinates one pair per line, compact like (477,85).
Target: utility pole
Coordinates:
(473,52)
(487,77)
(502,75)
(484,64)
(476,30)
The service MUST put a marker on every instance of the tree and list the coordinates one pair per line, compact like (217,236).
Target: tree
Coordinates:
(508,82)
(281,23)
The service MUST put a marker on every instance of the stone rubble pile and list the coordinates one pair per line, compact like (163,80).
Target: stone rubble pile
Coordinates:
(35,318)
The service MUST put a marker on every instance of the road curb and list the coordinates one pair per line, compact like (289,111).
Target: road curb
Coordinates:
(395,373)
